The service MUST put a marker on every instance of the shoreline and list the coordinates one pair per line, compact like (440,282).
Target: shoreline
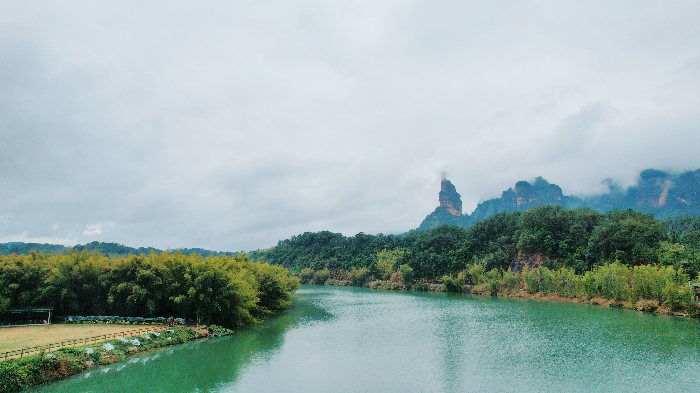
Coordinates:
(644,305)
(23,373)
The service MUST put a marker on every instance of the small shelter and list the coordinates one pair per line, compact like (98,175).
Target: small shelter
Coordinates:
(694,291)
(26,316)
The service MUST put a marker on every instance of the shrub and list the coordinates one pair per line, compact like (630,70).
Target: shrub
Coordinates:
(386,260)
(406,273)
(476,273)
(648,282)
(71,351)
(219,330)
(306,275)
(534,279)
(321,276)
(421,286)
(677,296)
(12,377)
(647,305)
(564,281)
(511,281)
(358,276)
(493,280)
(389,285)
(452,284)
(611,281)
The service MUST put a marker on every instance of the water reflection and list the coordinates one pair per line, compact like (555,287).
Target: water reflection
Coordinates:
(203,365)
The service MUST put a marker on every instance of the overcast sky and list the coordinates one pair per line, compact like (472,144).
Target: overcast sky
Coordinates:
(230,125)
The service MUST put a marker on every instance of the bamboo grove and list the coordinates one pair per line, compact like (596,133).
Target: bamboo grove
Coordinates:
(226,290)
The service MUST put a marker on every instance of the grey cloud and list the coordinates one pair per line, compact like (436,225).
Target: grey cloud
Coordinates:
(575,131)
(232,126)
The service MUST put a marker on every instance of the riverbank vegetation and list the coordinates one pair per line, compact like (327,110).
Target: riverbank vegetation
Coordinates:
(623,257)
(226,290)
(20,374)
(660,289)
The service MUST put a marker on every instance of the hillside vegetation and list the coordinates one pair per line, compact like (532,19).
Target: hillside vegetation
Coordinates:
(577,252)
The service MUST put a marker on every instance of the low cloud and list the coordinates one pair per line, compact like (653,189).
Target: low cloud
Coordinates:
(23,238)
(95,229)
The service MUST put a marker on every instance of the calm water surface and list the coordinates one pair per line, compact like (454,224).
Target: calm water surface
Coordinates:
(338,339)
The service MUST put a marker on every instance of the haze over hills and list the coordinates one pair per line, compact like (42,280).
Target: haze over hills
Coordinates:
(110,249)
(657,192)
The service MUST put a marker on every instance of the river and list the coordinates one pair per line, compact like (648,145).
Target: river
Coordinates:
(338,339)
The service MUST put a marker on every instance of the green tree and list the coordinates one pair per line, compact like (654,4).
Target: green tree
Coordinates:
(306,275)
(632,238)
(358,276)
(433,253)
(321,276)
(387,262)
(406,273)
(611,281)
(477,272)
(453,284)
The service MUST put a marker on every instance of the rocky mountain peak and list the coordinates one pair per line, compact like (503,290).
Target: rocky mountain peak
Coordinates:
(449,197)
(539,193)
(657,192)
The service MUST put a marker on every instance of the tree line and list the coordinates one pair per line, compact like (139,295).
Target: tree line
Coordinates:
(579,240)
(226,290)
(500,253)
(109,249)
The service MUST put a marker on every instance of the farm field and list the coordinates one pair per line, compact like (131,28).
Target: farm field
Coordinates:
(18,337)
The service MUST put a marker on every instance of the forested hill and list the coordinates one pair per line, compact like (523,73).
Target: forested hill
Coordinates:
(548,236)
(109,249)
(659,193)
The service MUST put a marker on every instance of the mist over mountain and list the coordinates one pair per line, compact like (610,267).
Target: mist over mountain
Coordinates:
(657,192)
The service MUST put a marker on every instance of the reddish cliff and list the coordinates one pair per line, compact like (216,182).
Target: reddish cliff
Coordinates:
(450,198)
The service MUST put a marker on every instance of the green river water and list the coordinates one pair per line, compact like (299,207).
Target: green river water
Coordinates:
(336,339)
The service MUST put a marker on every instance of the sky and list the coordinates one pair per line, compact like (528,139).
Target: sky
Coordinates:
(231,125)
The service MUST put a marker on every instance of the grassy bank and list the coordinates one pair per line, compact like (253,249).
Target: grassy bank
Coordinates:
(657,289)
(20,374)
(645,305)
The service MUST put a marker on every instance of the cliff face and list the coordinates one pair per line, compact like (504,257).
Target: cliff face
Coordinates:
(653,189)
(657,192)
(449,198)
(450,209)
(524,197)
(539,193)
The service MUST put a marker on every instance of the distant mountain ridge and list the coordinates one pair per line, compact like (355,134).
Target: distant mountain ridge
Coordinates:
(110,249)
(657,192)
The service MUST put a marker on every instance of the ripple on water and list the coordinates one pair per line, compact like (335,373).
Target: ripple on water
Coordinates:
(358,340)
